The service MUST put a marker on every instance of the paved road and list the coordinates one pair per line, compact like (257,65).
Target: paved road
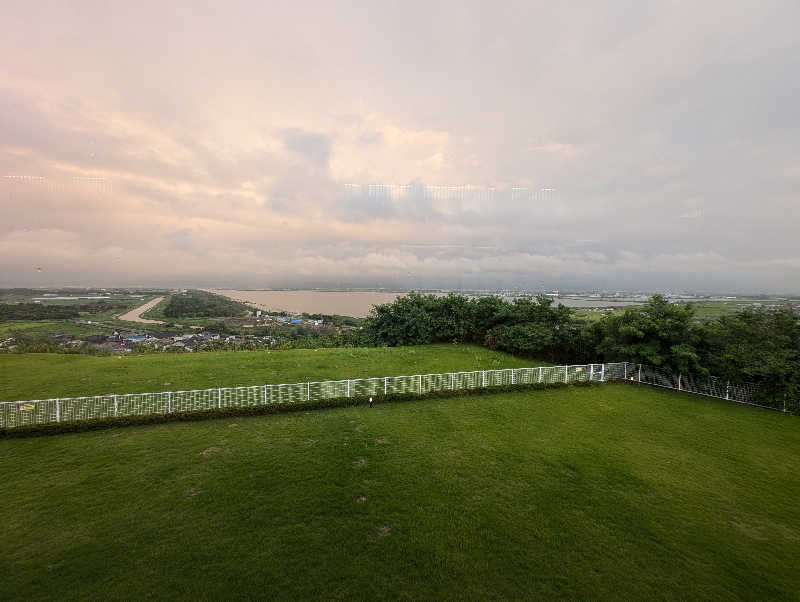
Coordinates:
(134,314)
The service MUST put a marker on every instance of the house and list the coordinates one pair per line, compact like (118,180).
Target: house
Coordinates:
(113,347)
(136,339)
(97,338)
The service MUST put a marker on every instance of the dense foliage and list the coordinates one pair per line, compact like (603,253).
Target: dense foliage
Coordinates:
(200,304)
(533,327)
(36,311)
(658,334)
(754,345)
(42,311)
(760,346)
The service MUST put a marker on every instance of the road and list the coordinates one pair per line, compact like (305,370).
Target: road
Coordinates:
(134,315)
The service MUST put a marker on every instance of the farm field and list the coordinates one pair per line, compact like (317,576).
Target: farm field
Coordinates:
(103,322)
(612,491)
(41,376)
(44,328)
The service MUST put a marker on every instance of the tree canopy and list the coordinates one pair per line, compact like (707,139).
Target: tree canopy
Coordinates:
(754,346)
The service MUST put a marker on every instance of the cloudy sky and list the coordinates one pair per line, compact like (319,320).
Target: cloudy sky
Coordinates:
(209,144)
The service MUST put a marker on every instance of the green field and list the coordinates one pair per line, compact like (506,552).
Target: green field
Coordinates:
(104,322)
(46,328)
(42,375)
(613,491)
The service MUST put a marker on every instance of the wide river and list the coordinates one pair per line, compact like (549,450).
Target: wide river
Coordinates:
(349,303)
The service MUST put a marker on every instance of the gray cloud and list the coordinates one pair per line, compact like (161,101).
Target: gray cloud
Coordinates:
(316,147)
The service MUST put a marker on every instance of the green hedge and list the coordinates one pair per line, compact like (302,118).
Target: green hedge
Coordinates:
(55,428)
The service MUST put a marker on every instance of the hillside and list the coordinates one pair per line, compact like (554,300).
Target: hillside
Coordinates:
(613,491)
(40,376)
(200,304)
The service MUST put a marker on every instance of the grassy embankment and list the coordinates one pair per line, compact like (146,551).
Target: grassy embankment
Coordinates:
(39,376)
(609,492)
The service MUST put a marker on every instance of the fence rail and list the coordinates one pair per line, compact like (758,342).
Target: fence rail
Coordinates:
(68,409)
(709,386)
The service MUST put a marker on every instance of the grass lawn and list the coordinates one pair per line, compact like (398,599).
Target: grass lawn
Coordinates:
(613,491)
(45,375)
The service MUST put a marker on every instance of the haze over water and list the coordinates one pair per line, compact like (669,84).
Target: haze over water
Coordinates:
(343,303)
(347,303)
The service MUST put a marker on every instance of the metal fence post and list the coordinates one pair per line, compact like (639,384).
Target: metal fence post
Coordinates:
(591,372)
(602,373)
(116,405)
(679,381)
(219,397)
(566,374)
(58,409)
(348,387)
(728,390)
(419,383)
(625,370)
(640,373)
(452,381)
(169,402)
(385,385)
(483,381)
(540,374)
(308,391)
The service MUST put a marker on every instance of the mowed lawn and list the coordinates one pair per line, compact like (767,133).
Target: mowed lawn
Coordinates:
(614,491)
(46,375)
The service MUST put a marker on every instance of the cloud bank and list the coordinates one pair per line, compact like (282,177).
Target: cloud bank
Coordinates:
(224,137)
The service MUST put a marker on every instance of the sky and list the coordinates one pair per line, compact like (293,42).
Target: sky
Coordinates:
(211,144)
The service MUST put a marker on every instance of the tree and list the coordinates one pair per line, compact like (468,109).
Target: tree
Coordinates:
(406,321)
(531,327)
(758,346)
(658,333)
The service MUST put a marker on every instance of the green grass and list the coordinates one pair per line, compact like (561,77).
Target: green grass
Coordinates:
(44,328)
(710,310)
(44,375)
(104,322)
(609,492)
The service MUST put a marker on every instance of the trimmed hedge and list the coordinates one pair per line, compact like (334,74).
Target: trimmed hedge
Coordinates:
(55,428)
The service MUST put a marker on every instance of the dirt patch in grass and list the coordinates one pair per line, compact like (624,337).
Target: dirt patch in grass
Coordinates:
(384,530)
(210,451)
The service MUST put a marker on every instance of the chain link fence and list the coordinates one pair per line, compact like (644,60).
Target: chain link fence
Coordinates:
(710,386)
